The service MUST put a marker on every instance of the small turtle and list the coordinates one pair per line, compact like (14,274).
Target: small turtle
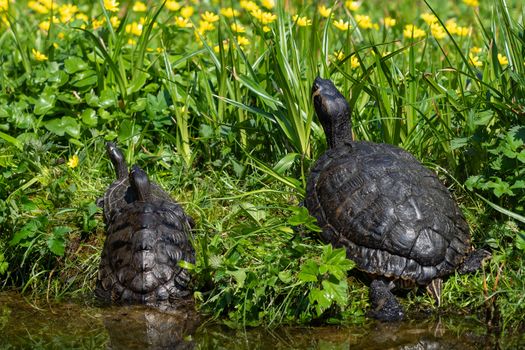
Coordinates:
(147,236)
(119,192)
(397,221)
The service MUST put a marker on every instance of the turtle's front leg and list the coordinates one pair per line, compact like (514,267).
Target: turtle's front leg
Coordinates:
(385,306)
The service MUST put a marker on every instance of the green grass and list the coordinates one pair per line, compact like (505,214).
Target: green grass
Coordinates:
(227,126)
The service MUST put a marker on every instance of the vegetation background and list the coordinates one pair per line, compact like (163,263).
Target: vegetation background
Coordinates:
(212,98)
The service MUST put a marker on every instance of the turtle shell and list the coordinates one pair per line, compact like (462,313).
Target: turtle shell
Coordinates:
(146,240)
(393,215)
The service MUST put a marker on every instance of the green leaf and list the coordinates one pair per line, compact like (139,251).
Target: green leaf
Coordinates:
(302,217)
(45,103)
(318,298)
(239,276)
(11,140)
(89,117)
(63,125)
(27,231)
(57,245)
(84,79)
(335,262)
(336,290)
(520,240)
(75,64)
(3,264)
(285,276)
(137,83)
(56,242)
(309,272)
(108,98)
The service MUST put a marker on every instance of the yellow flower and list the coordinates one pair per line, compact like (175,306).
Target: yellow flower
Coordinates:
(411,31)
(249,6)
(354,62)
(264,17)
(503,60)
(352,5)
(111,5)
(205,26)
(342,25)
(39,56)
(429,18)
(364,22)
(302,21)
(132,42)
(269,4)
(209,17)
(437,31)
(266,29)
(182,22)
(475,50)
(172,5)
(229,12)
(4,5)
(139,6)
(238,28)
(73,161)
(339,55)
(475,61)
(97,23)
(451,26)
(464,31)
(115,21)
(37,7)
(47,3)
(242,41)
(45,25)
(389,22)
(187,11)
(83,17)
(134,28)
(324,11)
(471,3)
(67,12)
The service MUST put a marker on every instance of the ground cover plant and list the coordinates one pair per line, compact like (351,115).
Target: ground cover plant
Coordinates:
(212,98)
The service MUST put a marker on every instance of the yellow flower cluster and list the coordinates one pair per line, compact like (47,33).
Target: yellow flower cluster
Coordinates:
(413,32)
(187,14)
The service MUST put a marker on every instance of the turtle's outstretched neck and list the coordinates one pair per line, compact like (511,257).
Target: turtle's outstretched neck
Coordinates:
(117,158)
(333,112)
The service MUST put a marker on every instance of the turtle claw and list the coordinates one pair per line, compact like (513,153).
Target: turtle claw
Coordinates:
(474,261)
(385,306)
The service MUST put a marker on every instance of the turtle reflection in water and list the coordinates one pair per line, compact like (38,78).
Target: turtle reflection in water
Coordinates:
(397,221)
(148,234)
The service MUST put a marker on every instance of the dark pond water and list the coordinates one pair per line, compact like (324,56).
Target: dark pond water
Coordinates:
(74,326)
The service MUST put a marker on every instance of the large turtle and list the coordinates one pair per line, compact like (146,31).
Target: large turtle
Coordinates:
(397,221)
(146,239)
(119,192)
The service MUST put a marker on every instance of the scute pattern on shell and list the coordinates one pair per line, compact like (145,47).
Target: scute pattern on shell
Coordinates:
(139,262)
(393,215)
(120,194)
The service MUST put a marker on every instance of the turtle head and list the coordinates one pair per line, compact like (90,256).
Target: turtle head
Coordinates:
(140,184)
(333,112)
(117,158)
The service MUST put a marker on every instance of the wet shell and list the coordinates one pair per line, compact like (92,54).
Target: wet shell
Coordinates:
(393,215)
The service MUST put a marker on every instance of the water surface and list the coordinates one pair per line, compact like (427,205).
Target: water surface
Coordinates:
(74,326)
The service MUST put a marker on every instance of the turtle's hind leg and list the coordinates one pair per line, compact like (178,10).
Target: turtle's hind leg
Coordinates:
(385,306)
